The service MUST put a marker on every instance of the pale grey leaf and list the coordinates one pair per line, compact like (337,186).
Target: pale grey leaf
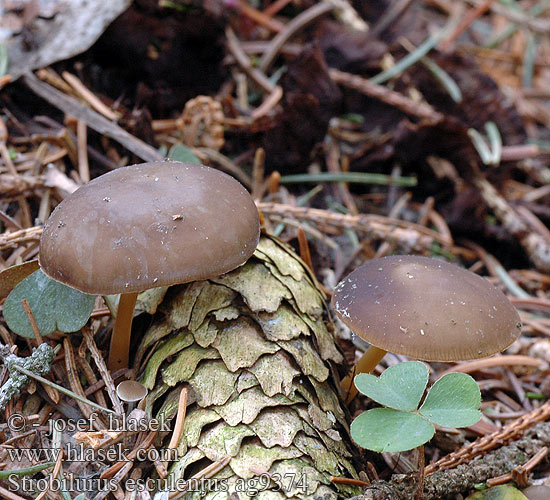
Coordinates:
(260,289)
(306,357)
(212,383)
(275,373)
(183,367)
(241,344)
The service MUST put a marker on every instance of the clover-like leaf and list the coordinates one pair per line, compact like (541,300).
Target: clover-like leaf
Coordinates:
(383,429)
(54,306)
(400,386)
(453,401)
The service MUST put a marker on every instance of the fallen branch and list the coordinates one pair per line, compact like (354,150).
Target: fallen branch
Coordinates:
(407,234)
(93,119)
(463,477)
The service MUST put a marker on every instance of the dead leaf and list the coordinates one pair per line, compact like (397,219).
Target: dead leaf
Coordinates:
(73,29)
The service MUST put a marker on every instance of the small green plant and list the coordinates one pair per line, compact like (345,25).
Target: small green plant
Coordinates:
(453,401)
(502,492)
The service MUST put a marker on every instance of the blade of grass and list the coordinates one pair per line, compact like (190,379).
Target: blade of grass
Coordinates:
(62,389)
(444,78)
(481,146)
(495,142)
(353,177)
(5,474)
(529,59)
(408,60)
(507,32)
(3,59)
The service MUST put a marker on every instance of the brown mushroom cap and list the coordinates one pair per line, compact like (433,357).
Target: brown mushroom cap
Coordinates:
(539,492)
(426,308)
(131,391)
(147,226)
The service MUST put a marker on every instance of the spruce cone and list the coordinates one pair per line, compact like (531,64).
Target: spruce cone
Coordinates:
(255,353)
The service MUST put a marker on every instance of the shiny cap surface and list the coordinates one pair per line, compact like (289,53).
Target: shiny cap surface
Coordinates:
(149,225)
(426,308)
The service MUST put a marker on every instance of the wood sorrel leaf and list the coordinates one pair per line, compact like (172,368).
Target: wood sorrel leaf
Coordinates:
(54,306)
(384,430)
(400,386)
(453,401)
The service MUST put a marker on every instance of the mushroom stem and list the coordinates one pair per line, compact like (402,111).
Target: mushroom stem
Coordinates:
(120,338)
(366,364)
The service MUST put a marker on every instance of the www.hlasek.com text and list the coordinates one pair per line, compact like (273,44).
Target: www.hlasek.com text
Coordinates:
(79,453)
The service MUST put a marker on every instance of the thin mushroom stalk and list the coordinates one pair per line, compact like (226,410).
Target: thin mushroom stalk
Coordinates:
(119,349)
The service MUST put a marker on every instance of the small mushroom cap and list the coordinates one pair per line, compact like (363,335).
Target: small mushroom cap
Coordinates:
(149,225)
(426,308)
(131,391)
(540,492)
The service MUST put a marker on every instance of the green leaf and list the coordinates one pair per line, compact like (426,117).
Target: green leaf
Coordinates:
(384,430)
(400,386)
(502,492)
(179,152)
(453,401)
(54,306)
